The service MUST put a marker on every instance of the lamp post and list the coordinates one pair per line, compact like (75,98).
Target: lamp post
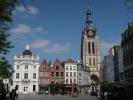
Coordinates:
(72,87)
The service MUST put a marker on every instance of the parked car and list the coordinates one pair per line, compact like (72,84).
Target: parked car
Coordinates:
(93,93)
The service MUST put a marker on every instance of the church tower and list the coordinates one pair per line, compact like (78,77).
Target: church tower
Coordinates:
(90,52)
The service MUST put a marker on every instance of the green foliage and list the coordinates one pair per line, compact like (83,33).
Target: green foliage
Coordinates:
(5,68)
(6,8)
(63,63)
(107,86)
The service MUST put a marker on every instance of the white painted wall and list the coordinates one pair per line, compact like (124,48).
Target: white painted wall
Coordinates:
(68,70)
(21,62)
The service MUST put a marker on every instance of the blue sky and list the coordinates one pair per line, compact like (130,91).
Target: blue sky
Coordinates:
(53,27)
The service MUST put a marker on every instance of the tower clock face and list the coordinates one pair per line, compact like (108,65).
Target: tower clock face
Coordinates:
(91,33)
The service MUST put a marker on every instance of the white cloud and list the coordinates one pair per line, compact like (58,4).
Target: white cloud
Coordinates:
(105,46)
(40,43)
(58,48)
(51,48)
(33,10)
(21,28)
(29,9)
(20,9)
(40,30)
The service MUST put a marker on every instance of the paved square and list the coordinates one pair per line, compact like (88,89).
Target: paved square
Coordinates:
(55,97)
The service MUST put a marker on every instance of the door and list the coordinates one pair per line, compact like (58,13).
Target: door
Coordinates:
(25,91)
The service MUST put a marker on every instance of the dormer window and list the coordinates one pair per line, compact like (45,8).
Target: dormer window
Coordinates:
(18,66)
(26,66)
(57,67)
(34,66)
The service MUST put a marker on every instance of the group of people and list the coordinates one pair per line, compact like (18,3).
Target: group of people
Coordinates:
(13,94)
(105,95)
(4,94)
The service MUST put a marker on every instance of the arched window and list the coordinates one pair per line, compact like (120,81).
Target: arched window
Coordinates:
(89,47)
(93,47)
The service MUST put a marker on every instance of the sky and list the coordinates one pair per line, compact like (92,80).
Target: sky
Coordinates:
(53,28)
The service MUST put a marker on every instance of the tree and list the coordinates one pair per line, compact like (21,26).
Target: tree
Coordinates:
(6,8)
(107,86)
(63,63)
(129,4)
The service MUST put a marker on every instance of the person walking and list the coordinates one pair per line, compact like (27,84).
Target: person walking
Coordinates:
(12,94)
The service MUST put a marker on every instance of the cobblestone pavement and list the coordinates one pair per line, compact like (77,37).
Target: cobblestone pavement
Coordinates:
(55,97)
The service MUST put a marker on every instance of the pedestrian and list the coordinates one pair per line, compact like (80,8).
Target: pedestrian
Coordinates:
(12,94)
(3,95)
(2,91)
(16,93)
(89,91)
(106,95)
(101,98)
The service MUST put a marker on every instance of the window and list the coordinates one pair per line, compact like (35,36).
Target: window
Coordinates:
(57,67)
(94,62)
(26,66)
(93,47)
(24,88)
(66,73)
(34,87)
(90,62)
(70,67)
(34,66)
(57,74)
(34,75)
(25,75)
(62,74)
(70,73)
(66,67)
(74,80)
(70,81)
(52,73)
(18,66)
(17,75)
(89,47)
(79,74)
(66,81)
(74,67)
(74,73)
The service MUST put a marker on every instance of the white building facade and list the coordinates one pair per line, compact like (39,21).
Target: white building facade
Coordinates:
(83,76)
(121,66)
(71,72)
(25,76)
(110,68)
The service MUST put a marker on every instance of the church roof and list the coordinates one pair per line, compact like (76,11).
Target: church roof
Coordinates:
(27,52)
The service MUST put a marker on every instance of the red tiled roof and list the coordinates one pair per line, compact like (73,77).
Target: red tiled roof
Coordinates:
(70,61)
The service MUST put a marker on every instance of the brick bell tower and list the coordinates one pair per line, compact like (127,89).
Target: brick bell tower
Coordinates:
(90,51)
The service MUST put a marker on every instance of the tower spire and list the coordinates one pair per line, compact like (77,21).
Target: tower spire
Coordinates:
(89,22)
